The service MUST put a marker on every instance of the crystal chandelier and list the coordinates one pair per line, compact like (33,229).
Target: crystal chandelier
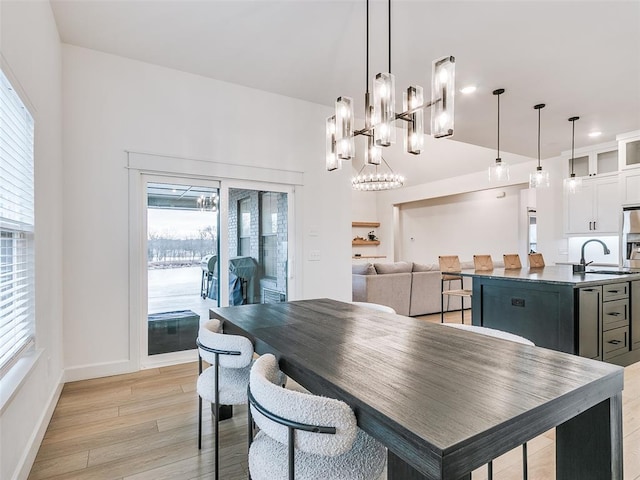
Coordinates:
(208,203)
(499,171)
(380,116)
(573,183)
(539,178)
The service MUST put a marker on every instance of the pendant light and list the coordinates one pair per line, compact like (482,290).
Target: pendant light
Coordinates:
(573,183)
(539,178)
(499,171)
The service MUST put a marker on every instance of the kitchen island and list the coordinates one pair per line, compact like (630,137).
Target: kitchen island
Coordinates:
(592,314)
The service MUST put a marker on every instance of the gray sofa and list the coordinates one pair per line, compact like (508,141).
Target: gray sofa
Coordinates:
(409,288)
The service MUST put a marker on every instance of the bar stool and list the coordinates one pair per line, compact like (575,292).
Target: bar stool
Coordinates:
(482,263)
(512,261)
(492,332)
(536,260)
(449,267)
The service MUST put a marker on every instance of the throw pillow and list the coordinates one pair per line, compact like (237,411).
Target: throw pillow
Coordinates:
(363,269)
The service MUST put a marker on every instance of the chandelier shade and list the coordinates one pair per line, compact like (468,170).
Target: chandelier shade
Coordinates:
(384,106)
(443,78)
(208,203)
(345,144)
(539,178)
(414,138)
(333,161)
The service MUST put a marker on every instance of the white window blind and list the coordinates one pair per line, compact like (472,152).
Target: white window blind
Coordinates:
(17,286)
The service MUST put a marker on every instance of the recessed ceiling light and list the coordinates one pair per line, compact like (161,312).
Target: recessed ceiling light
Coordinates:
(595,134)
(469,89)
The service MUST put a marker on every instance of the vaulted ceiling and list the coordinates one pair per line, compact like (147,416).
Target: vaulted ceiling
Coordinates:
(579,57)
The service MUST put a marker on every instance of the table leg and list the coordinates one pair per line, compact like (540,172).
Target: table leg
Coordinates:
(226,411)
(589,446)
(398,469)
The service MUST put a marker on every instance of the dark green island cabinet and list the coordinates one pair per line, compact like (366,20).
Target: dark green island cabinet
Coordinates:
(594,315)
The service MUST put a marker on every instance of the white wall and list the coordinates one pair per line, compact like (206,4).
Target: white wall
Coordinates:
(113,104)
(464,224)
(31,59)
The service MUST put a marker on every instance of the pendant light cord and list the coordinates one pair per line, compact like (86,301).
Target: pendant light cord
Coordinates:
(539,137)
(498,125)
(367,42)
(573,137)
(389,36)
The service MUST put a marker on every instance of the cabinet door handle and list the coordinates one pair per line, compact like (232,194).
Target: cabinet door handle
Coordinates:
(590,225)
(613,291)
(615,342)
(614,314)
(594,225)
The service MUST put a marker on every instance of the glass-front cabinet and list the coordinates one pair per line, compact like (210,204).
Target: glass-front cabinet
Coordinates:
(591,161)
(629,146)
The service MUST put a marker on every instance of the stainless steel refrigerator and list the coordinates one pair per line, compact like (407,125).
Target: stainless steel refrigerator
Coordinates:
(631,237)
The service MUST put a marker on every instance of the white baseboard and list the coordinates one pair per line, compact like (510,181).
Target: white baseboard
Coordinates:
(98,370)
(26,462)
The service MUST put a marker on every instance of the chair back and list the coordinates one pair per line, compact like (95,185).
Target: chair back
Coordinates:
(375,306)
(492,332)
(285,406)
(210,337)
(512,261)
(449,264)
(482,263)
(536,260)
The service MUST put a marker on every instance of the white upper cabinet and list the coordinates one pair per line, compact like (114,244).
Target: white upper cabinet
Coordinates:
(595,207)
(595,160)
(629,148)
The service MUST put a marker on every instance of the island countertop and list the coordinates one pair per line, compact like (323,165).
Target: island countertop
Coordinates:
(555,274)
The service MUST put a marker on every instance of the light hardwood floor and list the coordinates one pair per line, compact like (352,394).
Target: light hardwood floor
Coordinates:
(143,426)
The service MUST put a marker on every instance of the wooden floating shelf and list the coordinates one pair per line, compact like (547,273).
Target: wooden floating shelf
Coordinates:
(365,242)
(370,256)
(365,224)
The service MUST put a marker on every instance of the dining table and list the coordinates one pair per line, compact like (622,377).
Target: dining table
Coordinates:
(444,401)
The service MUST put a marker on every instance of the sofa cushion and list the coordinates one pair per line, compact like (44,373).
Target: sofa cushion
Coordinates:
(421,267)
(363,269)
(397,267)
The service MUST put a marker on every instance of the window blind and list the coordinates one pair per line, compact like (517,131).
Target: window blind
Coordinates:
(17,285)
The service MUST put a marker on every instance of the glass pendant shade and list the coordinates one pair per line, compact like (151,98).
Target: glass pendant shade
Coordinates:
(414,135)
(373,153)
(333,162)
(499,171)
(345,144)
(539,178)
(384,107)
(442,93)
(572,184)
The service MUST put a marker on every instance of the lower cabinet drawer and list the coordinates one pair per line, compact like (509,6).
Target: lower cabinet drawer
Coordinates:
(615,291)
(615,314)
(615,342)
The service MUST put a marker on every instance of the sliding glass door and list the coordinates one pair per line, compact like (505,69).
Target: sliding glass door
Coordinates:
(182,251)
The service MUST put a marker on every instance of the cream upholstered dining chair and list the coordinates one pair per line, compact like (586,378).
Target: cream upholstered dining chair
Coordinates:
(512,261)
(482,263)
(492,332)
(225,382)
(536,260)
(375,306)
(450,272)
(304,436)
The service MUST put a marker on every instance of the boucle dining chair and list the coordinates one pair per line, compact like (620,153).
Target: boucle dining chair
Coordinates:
(375,306)
(225,382)
(492,332)
(449,272)
(512,261)
(304,436)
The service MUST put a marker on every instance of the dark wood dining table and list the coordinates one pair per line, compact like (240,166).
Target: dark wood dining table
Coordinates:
(442,400)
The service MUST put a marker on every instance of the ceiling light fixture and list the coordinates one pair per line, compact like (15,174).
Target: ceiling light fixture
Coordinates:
(539,178)
(595,134)
(208,203)
(573,183)
(380,116)
(499,171)
(468,90)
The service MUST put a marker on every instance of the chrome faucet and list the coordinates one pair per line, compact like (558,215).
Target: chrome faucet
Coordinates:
(581,268)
